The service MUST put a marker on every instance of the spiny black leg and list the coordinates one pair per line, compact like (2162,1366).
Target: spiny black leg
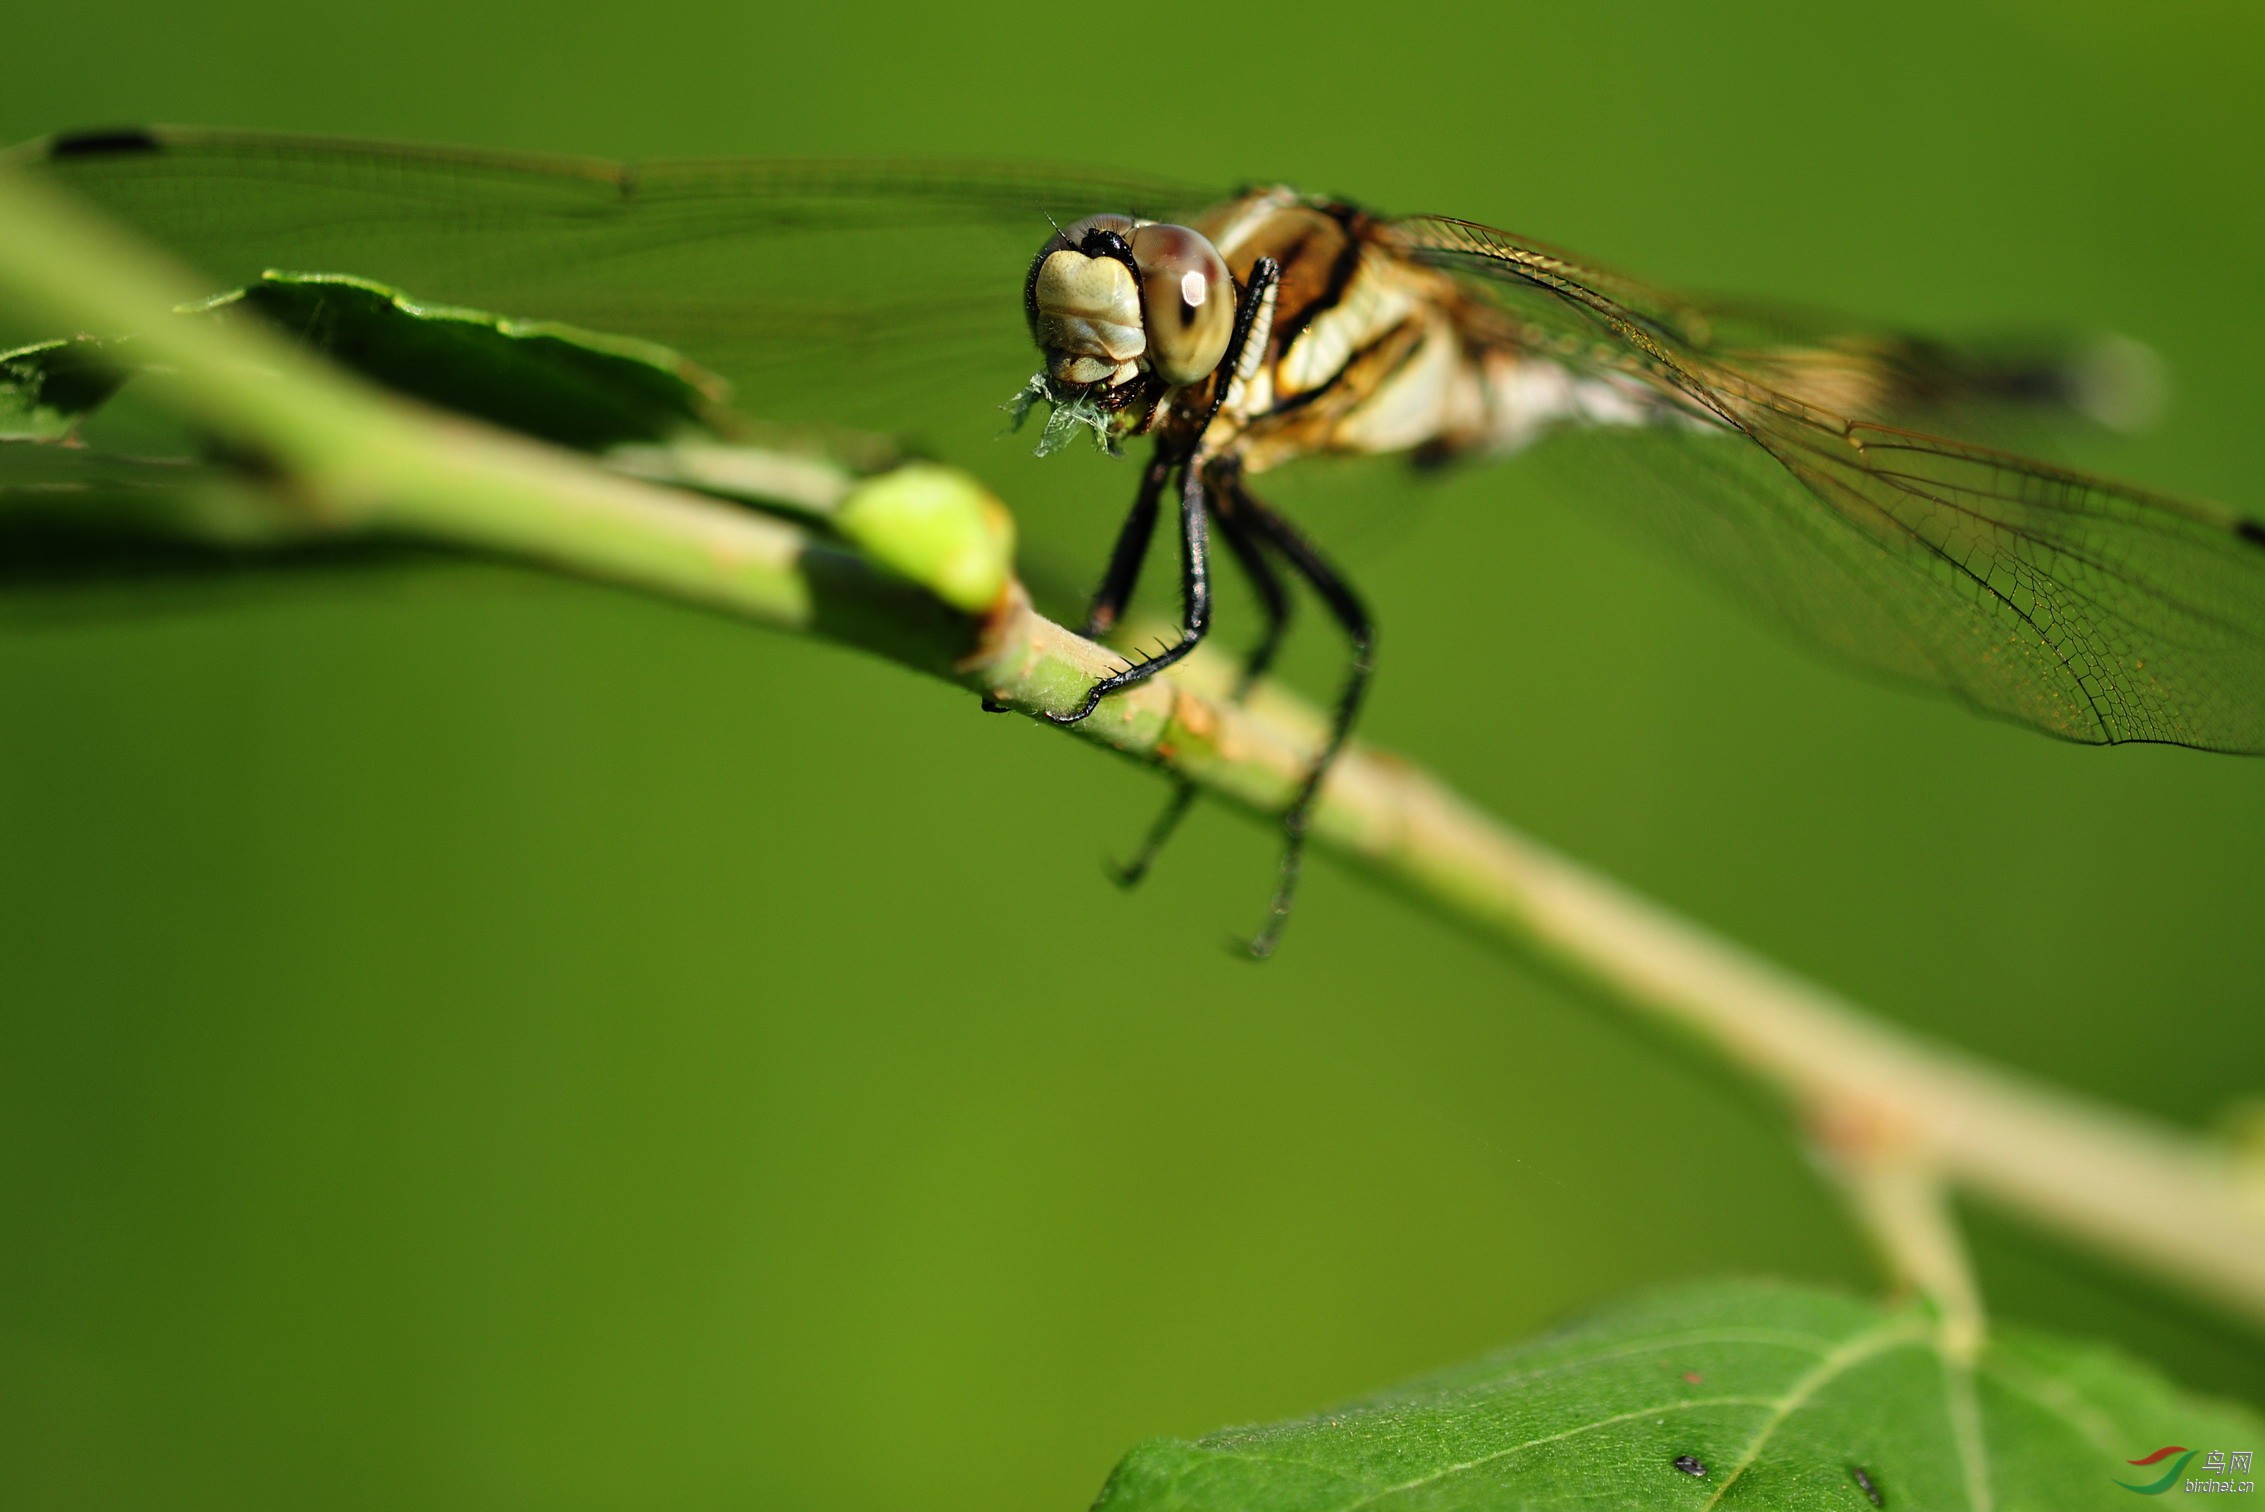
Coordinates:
(1130,873)
(1124,566)
(1131,550)
(1273,598)
(1264,275)
(1274,602)
(1195,598)
(1254,301)
(1350,613)
(1125,560)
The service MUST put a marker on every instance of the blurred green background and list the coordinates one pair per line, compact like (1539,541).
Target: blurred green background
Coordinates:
(470,1040)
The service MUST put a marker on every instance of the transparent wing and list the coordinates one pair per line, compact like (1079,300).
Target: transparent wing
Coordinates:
(2085,608)
(850,292)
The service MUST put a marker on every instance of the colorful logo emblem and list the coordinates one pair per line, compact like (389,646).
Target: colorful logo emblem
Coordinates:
(2170,1476)
(2222,1470)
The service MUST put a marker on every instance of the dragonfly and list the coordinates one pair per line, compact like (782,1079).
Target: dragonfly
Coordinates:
(1844,480)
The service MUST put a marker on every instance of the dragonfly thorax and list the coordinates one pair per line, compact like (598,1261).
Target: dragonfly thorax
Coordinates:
(1111,298)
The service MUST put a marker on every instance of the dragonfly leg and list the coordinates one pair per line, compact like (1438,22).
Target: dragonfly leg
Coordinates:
(1273,598)
(1195,598)
(1125,560)
(1195,582)
(1352,615)
(1274,602)
(1130,873)
(1131,550)
(1132,540)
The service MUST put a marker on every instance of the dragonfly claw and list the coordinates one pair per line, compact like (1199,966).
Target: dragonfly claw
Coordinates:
(1249,949)
(1093,697)
(1092,702)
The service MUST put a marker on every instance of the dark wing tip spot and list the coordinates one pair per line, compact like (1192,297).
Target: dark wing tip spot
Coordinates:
(1690,1464)
(2250,531)
(108,141)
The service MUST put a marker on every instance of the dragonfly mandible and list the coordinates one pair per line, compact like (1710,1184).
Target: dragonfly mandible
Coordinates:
(1839,477)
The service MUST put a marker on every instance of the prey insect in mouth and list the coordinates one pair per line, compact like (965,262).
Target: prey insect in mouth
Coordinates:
(1849,482)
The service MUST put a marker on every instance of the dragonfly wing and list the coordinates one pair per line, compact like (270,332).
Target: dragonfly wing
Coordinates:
(855,292)
(2085,608)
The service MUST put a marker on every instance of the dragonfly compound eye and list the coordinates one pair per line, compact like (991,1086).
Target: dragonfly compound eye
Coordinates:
(1084,303)
(1188,299)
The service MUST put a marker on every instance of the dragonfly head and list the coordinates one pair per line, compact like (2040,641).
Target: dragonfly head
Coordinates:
(1111,298)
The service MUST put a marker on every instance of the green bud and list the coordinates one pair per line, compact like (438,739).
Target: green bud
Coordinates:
(937,526)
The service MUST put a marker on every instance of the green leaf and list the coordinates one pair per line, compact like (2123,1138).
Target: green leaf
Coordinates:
(1733,1395)
(47,388)
(578,388)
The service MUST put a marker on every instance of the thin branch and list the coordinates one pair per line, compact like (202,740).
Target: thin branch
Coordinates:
(1900,1196)
(339,457)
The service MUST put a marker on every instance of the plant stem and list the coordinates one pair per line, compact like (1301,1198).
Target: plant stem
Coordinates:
(336,455)
(1899,1194)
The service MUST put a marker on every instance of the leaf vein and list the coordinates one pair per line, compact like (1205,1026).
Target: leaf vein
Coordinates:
(2060,1399)
(1857,1350)
(1784,1339)
(1444,1471)
(1964,1410)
